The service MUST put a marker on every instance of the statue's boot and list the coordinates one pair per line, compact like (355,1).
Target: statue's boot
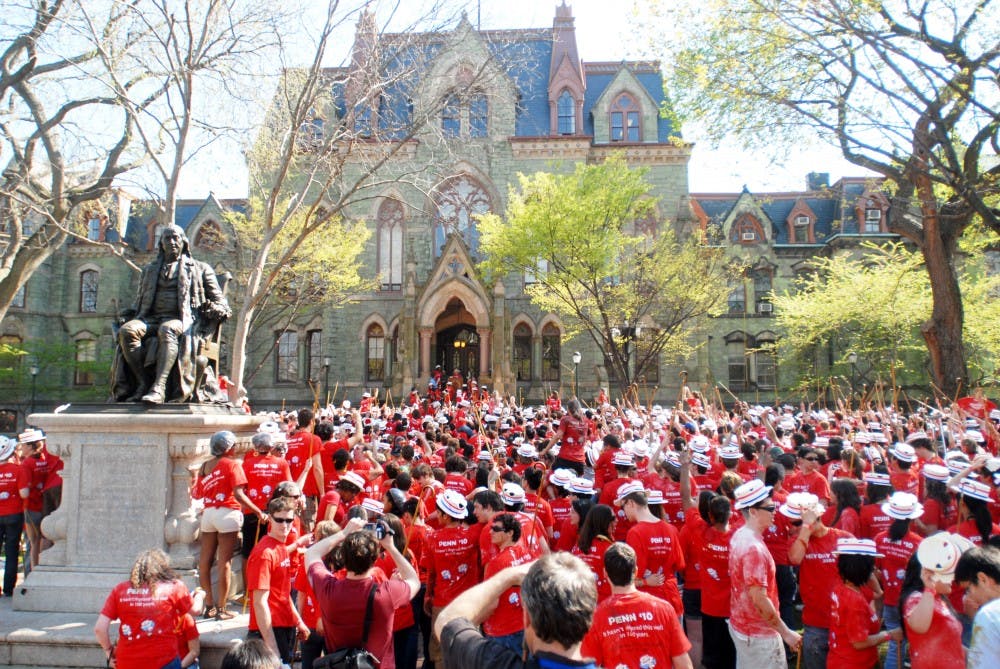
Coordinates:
(165,362)
(134,360)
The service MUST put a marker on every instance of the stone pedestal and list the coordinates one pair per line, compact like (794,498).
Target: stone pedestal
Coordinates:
(125,489)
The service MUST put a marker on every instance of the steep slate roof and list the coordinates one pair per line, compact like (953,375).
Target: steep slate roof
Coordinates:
(599,77)
(138,223)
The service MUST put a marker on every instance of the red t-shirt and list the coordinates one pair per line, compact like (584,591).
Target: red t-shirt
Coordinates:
(594,558)
(385,568)
(817,577)
(342,603)
(604,471)
(34,473)
(852,620)
(187,631)
(778,536)
(873,521)
(905,481)
(10,495)
(307,606)
(892,566)
(533,504)
(691,538)
(634,630)
(147,635)
(451,560)
(658,551)
(507,617)
(941,645)
(750,564)
(330,498)
(217,487)
(814,483)
(326,451)
(560,508)
(302,445)
(270,568)
(714,558)
(458,483)
(610,490)
(574,436)
(937,515)
(263,474)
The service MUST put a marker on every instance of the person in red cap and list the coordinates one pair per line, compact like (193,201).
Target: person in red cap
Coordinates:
(657,546)
(754,623)
(632,628)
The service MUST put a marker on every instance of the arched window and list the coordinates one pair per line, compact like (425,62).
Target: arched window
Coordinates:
(286,358)
(765,361)
(521,353)
(209,237)
(314,348)
(86,356)
(451,117)
(551,352)
(746,230)
(479,115)
(375,353)
(566,110)
(736,359)
(389,225)
(458,201)
(89,280)
(626,122)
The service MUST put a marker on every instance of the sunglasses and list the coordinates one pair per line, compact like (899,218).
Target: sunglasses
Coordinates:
(497,528)
(770,508)
(283,520)
(811,459)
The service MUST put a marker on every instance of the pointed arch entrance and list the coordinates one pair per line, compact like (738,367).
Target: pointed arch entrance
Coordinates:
(456,340)
(454,327)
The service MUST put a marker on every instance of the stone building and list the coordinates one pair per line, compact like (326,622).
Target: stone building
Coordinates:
(542,108)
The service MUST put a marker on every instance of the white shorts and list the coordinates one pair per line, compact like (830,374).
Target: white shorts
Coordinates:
(221,519)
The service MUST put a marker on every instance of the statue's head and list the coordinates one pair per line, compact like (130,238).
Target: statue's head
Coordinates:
(173,242)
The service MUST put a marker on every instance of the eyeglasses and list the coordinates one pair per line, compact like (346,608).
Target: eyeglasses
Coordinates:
(770,508)
(496,528)
(811,459)
(283,520)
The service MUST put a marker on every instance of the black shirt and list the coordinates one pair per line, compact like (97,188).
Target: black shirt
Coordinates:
(463,645)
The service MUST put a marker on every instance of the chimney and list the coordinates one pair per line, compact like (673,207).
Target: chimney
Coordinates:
(817,181)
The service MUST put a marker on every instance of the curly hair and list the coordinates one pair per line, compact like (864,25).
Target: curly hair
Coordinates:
(151,567)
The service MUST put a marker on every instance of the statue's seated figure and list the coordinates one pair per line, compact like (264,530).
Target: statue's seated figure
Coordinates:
(179,307)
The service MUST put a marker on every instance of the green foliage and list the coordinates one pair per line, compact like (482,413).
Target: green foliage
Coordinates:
(57,373)
(576,235)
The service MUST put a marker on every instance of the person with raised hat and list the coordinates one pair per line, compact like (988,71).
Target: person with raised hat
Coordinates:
(978,573)
(450,559)
(757,629)
(11,513)
(813,551)
(933,631)
(656,544)
(854,624)
(897,545)
(39,472)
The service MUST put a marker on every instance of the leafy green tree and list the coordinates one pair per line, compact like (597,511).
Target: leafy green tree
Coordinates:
(575,235)
(906,90)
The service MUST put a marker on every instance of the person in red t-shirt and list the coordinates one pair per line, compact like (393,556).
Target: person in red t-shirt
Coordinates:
(11,512)
(36,466)
(149,606)
(657,546)
(933,630)
(873,519)
(895,547)
(506,624)
(302,445)
(809,479)
(595,538)
(264,471)
(188,640)
(854,625)
(273,616)
(632,628)
(572,436)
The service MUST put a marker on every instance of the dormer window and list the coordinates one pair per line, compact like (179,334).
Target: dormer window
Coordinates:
(626,124)
(800,230)
(873,221)
(746,230)
(567,114)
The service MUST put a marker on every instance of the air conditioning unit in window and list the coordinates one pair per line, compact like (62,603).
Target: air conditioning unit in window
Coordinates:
(748,236)
(765,308)
(801,220)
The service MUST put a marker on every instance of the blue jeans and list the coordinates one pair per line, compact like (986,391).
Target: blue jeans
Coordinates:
(815,646)
(404,643)
(11,527)
(513,641)
(890,621)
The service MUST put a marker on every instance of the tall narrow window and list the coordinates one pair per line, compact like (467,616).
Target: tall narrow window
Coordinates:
(451,117)
(287,358)
(625,119)
(521,354)
(766,361)
(458,202)
(389,223)
(551,353)
(314,346)
(566,110)
(88,291)
(94,229)
(86,356)
(762,284)
(736,358)
(375,353)
(18,301)
(479,115)
(738,299)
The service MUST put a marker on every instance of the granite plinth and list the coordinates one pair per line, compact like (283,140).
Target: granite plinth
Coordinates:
(125,489)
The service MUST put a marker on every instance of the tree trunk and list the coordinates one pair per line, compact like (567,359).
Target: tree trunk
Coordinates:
(943,331)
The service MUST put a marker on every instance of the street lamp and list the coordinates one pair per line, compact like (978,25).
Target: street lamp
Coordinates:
(852,358)
(576,381)
(33,370)
(326,378)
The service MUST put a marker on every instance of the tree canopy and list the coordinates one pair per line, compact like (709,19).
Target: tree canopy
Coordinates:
(584,243)
(908,90)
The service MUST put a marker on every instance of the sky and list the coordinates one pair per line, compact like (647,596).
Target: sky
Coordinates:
(603,32)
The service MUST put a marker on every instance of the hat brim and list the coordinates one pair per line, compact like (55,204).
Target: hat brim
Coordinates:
(757,498)
(918,511)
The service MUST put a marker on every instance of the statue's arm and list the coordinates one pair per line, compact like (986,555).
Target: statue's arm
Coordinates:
(215,301)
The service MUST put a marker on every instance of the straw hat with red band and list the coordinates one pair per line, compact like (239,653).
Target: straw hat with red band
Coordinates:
(700,460)
(561,477)
(620,459)
(751,493)
(512,493)
(654,497)
(580,486)
(852,546)
(30,436)
(903,452)
(626,489)
(876,478)
(975,490)
(903,506)
(453,504)
(7,447)
(797,502)
(354,479)
(935,472)
(372,505)
(939,553)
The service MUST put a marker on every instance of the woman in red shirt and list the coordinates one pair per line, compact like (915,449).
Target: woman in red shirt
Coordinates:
(932,629)
(854,625)
(220,484)
(847,512)
(595,538)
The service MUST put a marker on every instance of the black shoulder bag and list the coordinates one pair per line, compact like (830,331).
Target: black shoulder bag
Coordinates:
(353,658)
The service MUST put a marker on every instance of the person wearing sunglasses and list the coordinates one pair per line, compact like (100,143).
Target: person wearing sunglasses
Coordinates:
(808,477)
(757,629)
(273,616)
(506,624)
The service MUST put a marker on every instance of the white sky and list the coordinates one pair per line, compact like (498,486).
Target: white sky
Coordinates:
(602,33)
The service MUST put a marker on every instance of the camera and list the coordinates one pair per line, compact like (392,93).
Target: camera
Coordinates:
(379,528)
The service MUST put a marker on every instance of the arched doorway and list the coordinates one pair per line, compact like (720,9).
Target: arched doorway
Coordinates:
(456,340)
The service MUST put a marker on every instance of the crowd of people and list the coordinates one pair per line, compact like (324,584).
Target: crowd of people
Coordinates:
(467,530)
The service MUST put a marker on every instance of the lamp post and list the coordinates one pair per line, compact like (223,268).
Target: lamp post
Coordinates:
(33,370)
(852,358)
(326,378)
(576,381)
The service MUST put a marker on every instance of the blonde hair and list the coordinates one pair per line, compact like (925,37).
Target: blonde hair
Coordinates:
(151,567)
